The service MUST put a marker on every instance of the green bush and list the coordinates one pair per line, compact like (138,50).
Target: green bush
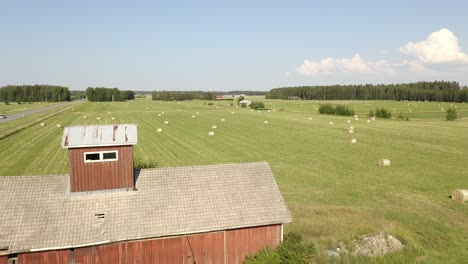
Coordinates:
(451,114)
(371,113)
(336,110)
(257,105)
(144,164)
(383,113)
(293,250)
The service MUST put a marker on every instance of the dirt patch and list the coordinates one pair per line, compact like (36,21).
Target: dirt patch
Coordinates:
(372,245)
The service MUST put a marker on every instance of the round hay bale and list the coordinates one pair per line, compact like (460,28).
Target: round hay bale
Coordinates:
(265,122)
(310,118)
(222,119)
(198,113)
(159,114)
(159,130)
(353,141)
(113,118)
(350,131)
(384,163)
(84,117)
(356,118)
(373,118)
(211,133)
(166,122)
(147,108)
(331,123)
(59,125)
(42,124)
(193,116)
(351,128)
(349,121)
(214,127)
(368,121)
(98,118)
(232,113)
(162,113)
(460,195)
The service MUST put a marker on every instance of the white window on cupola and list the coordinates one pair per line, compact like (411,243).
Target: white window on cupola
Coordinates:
(101,156)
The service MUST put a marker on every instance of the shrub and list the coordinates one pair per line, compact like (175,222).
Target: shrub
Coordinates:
(327,109)
(257,105)
(383,113)
(344,110)
(371,113)
(144,164)
(336,110)
(451,114)
(210,103)
(292,250)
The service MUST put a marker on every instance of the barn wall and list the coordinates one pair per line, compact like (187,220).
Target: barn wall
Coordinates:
(49,257)
(101,175)
(229,246)
(245,241)
(3,259)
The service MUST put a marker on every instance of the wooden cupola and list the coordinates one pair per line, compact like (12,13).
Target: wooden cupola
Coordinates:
(101,156)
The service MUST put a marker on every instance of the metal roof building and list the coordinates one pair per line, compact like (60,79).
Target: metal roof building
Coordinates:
(102,135)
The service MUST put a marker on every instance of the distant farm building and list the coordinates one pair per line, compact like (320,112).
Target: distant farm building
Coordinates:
(294,98)
(102,213)
(245,103)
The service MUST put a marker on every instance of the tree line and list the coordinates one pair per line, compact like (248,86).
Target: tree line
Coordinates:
(102,94)
(440,91)
(34,93)
(182,95)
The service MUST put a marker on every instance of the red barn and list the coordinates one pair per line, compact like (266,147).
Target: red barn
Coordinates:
(199,214)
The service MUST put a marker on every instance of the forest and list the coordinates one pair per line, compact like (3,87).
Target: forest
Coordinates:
(102,94)
(34,93)
(439,91)
(182,95)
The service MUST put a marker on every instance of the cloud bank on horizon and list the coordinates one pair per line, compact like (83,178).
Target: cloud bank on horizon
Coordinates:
(440,48)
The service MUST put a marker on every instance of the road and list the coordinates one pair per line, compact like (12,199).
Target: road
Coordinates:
(30,112)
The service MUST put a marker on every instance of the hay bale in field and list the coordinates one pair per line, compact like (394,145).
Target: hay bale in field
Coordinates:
(460,195)
(159,130)
(368,121)
(351,128)
(84,117)
(73,109)
(310,118)
(265,122)
(373,118)
(353,141)
(113,118)
(98,118)
(356,118)
(147,108)
(350,131)
(42,124)
(232,113)
(222,119)
(384,163)
(274,110)
(198,113)
(162,113)
(214,127)
(166,122)
(159,114)
(211,133)
(349,121)
(59,125)
(193,116)
(331,123)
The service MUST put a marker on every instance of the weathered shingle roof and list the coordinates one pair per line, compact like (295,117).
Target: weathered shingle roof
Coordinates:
(99,135)
(39,213)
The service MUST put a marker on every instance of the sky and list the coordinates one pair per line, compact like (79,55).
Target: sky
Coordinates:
(231,45)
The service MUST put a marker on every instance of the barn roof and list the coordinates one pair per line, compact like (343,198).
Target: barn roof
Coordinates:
(39,212)
(99,135)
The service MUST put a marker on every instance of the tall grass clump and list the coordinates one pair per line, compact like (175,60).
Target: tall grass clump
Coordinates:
(451,114)
(293,250)
(383,113)
(336,110)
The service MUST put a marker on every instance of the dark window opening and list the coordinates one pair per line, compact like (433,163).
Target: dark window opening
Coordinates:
(109,155)
(92,156)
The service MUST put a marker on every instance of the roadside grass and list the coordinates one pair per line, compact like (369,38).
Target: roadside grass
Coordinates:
(334,189)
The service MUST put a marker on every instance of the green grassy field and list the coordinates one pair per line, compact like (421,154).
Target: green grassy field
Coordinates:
(14,108)
(334,189)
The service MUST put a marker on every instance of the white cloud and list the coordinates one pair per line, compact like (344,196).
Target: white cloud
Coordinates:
(439,47)
(354,65)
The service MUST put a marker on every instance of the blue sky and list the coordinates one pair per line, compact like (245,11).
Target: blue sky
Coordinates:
(243,45)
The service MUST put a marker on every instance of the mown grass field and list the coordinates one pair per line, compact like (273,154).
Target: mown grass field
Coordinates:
(14,108)
(334,189)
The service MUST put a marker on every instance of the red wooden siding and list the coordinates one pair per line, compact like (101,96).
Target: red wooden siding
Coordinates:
(3,259)
(101,175)
(242,242)
(49,257)
(229,246)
